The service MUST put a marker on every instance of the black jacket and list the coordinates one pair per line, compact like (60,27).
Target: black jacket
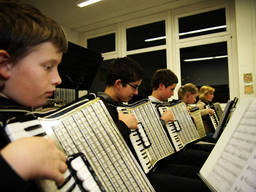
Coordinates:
(10,180)
(112,108)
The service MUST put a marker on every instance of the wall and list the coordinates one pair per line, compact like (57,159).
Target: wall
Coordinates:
(73,36)
(246,43)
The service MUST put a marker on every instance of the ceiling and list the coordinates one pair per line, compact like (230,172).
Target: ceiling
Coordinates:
(68,14)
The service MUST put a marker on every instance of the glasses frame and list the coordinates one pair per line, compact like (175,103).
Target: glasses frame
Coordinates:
(133,86)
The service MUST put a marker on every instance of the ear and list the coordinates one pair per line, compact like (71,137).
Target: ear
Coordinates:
(118,83)
(5,65)
(161,86)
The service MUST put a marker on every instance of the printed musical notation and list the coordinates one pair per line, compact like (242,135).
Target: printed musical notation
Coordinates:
(246,180)
(234,162)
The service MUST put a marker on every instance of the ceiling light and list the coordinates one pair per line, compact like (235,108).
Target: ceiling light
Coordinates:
(86,2)
(187,33)
(155,39)
(203,30)
(205,58)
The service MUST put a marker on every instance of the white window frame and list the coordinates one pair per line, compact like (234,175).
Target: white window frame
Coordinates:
(207,39)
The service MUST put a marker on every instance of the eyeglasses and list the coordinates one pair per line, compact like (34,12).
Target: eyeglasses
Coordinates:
(136,87)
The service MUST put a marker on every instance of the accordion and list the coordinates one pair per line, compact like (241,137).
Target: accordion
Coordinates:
(195,113)
(98,157)
(150,141)
(183,130)
(212,121)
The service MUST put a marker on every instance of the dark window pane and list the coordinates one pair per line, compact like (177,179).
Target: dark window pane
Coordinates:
(206,65)
(142,36)
(102,44)
(150,62)
(209,22)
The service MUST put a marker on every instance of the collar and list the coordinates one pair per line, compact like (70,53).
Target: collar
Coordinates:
(109,99)
(9,104)
(155,100)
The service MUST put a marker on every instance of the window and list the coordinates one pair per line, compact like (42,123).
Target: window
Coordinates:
(144,36)
(150,61)
(102,44)
(202,24)
(207,65)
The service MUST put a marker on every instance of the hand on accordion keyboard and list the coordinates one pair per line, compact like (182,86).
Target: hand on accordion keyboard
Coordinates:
(36,157)
(211,111)
(167,116)
(129,119)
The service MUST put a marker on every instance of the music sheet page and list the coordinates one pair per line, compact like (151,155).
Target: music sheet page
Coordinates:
(227,166)
(246,180)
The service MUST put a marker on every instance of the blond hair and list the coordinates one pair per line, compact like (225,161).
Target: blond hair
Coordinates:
(188,87)
(204,90)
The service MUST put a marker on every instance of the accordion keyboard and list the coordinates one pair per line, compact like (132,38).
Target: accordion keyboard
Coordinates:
(213,118)
(172,129)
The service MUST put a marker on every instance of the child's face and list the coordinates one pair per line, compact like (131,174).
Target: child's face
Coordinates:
(167,92)
(190,98)
(128,91)
(209,96)
(34,78)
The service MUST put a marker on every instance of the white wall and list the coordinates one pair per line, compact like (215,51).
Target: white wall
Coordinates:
(246,42)
(73,36)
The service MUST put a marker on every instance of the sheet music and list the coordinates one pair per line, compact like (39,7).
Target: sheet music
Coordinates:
(234,151)
(246,180)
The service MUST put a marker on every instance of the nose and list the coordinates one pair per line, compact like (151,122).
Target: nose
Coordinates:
(56,79)
(136,92)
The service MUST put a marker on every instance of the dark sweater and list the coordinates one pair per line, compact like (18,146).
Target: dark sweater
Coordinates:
(10,180)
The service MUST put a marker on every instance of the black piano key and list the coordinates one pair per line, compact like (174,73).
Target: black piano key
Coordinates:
(41,134)
(32,127)
(65,182)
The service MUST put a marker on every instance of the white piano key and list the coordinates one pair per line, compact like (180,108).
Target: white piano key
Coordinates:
(16,127)
(96,189)
(83,173)
(76,189)
(77,163)
(68,185)
(89,184)
(18,135)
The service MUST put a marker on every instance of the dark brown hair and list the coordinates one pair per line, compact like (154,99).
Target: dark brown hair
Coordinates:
(165,76)
(22,27)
